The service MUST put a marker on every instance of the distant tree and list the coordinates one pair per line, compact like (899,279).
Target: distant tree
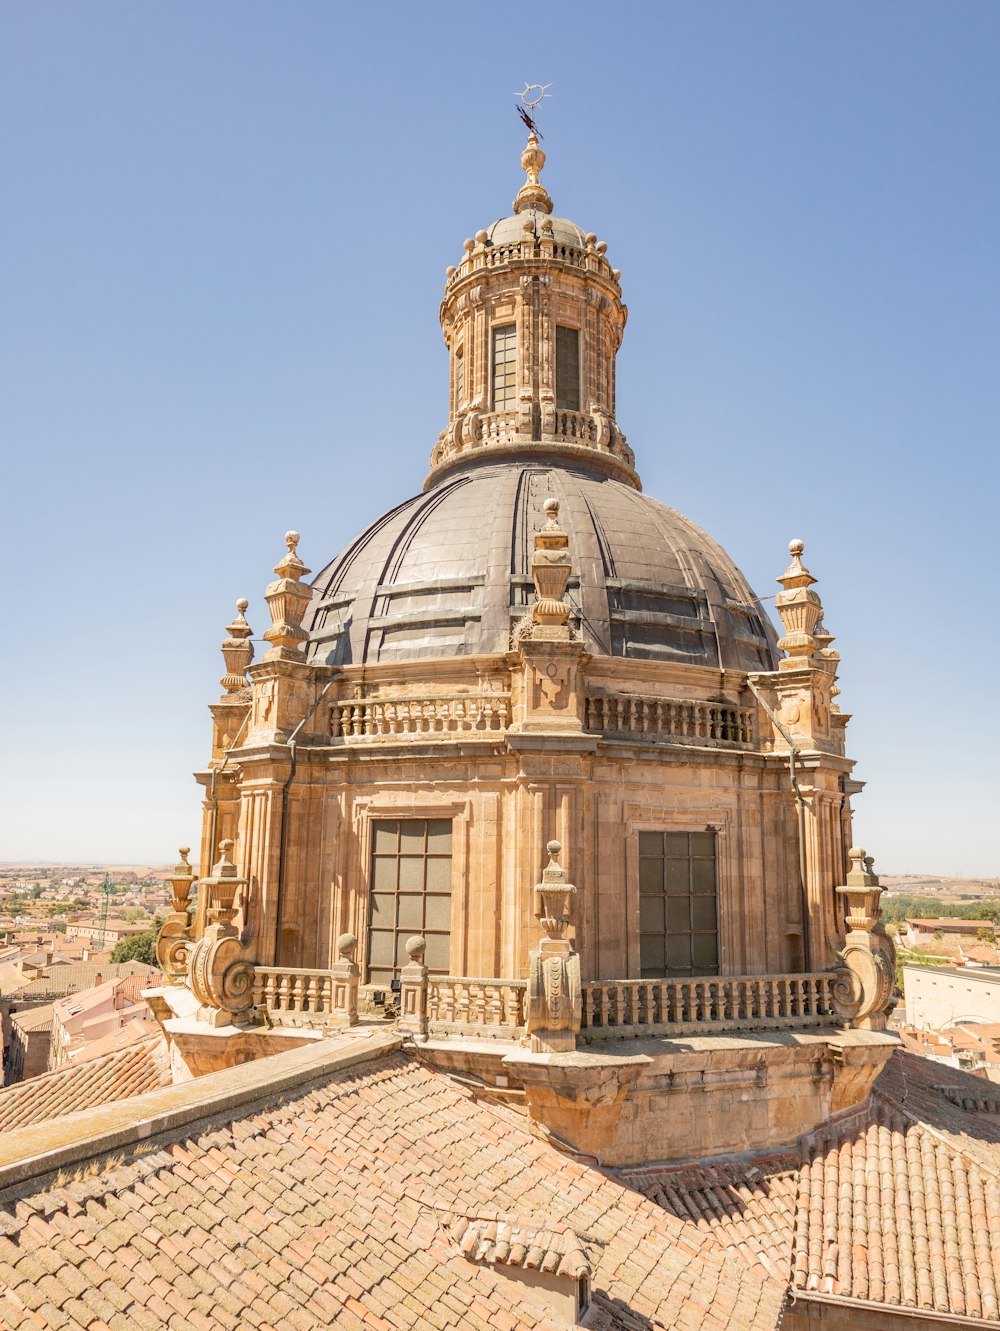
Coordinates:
(36,891)
(985,935)
(140,947)
(134,914)
(59,927)
(939,934)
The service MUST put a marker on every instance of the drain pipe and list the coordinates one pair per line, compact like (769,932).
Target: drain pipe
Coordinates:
(800,813)
(283,838)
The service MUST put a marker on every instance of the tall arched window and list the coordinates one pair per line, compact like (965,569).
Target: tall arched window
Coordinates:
(504,367)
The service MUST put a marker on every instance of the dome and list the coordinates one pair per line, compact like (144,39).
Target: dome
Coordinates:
(448,573)
(510,230)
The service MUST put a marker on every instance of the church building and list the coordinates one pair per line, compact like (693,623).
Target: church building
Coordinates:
(528,974)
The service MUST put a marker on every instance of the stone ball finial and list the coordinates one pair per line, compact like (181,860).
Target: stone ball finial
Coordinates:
(184,852)
(554,847)
(796,547)
(226,844)
(480,237)
(416,946)
(242,605)
(346,944)
(468,244)
(292,539)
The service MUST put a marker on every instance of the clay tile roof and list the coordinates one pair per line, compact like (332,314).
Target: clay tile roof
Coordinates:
(327,1204)
(34,1018)
(746,1205)
(82,975)
(130,1071)
(508,1243)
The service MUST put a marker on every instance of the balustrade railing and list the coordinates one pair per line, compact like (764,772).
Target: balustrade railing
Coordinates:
(485,1008)
(675,720)
(615,1008)
(297,997)
(374,718)
(575,425)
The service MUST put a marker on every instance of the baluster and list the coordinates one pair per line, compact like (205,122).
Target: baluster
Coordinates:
(310,1001)
(448,1002)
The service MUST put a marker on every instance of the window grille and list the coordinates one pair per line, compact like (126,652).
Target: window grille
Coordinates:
(504,367)
(567,369)
(678,904)
(409,893)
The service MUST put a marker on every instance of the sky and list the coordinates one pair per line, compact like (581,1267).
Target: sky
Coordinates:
(226,229)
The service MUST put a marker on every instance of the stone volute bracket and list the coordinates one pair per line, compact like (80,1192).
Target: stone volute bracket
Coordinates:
(555,996)
(173,942)
(220,974)
(863,989)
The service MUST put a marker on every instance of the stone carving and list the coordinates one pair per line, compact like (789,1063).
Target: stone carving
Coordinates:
(800,609)
(220,973)
(862,992)
(237,650)
(287,600)
(345,974)
(413,990)
(555,1002)
(174,940)
(550,570)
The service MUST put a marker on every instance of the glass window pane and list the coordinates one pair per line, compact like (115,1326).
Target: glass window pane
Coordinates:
(380,978)
(651,876)
(411,837)
(703,875)
(705,953)
(679,952)
(703,913)
(439,836)
(384,873)
(380,947)
(411,913)
(703,843)
(678,876)
(651,954)
(436,957)
(678,914)
(675,845)
(383,909)
(438,912)
(439,875)
(411,875)
(651,914)
(651,843)
(385,838)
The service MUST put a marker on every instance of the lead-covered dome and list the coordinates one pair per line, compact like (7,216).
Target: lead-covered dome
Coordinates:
(533,318)
(448,573)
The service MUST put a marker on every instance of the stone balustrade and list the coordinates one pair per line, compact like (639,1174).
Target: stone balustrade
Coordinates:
(483,258)
(616,1008)
(353,719)
(458,1005)
(671,720)
(295,997)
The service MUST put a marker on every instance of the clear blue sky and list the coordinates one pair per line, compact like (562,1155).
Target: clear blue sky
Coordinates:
(226,224)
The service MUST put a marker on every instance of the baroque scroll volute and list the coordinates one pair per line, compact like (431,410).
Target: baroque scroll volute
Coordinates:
(863,989)
(220,972)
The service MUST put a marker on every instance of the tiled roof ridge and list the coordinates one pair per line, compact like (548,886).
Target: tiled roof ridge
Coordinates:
(42,1149)
(510,1241)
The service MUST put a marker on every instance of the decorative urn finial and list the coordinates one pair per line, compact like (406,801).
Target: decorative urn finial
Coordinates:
(532,194)
(287,600)
(550,570)
(800,609)
(237,650)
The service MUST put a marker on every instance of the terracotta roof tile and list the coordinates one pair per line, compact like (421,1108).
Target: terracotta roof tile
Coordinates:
(131,1071)
(331,1205)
